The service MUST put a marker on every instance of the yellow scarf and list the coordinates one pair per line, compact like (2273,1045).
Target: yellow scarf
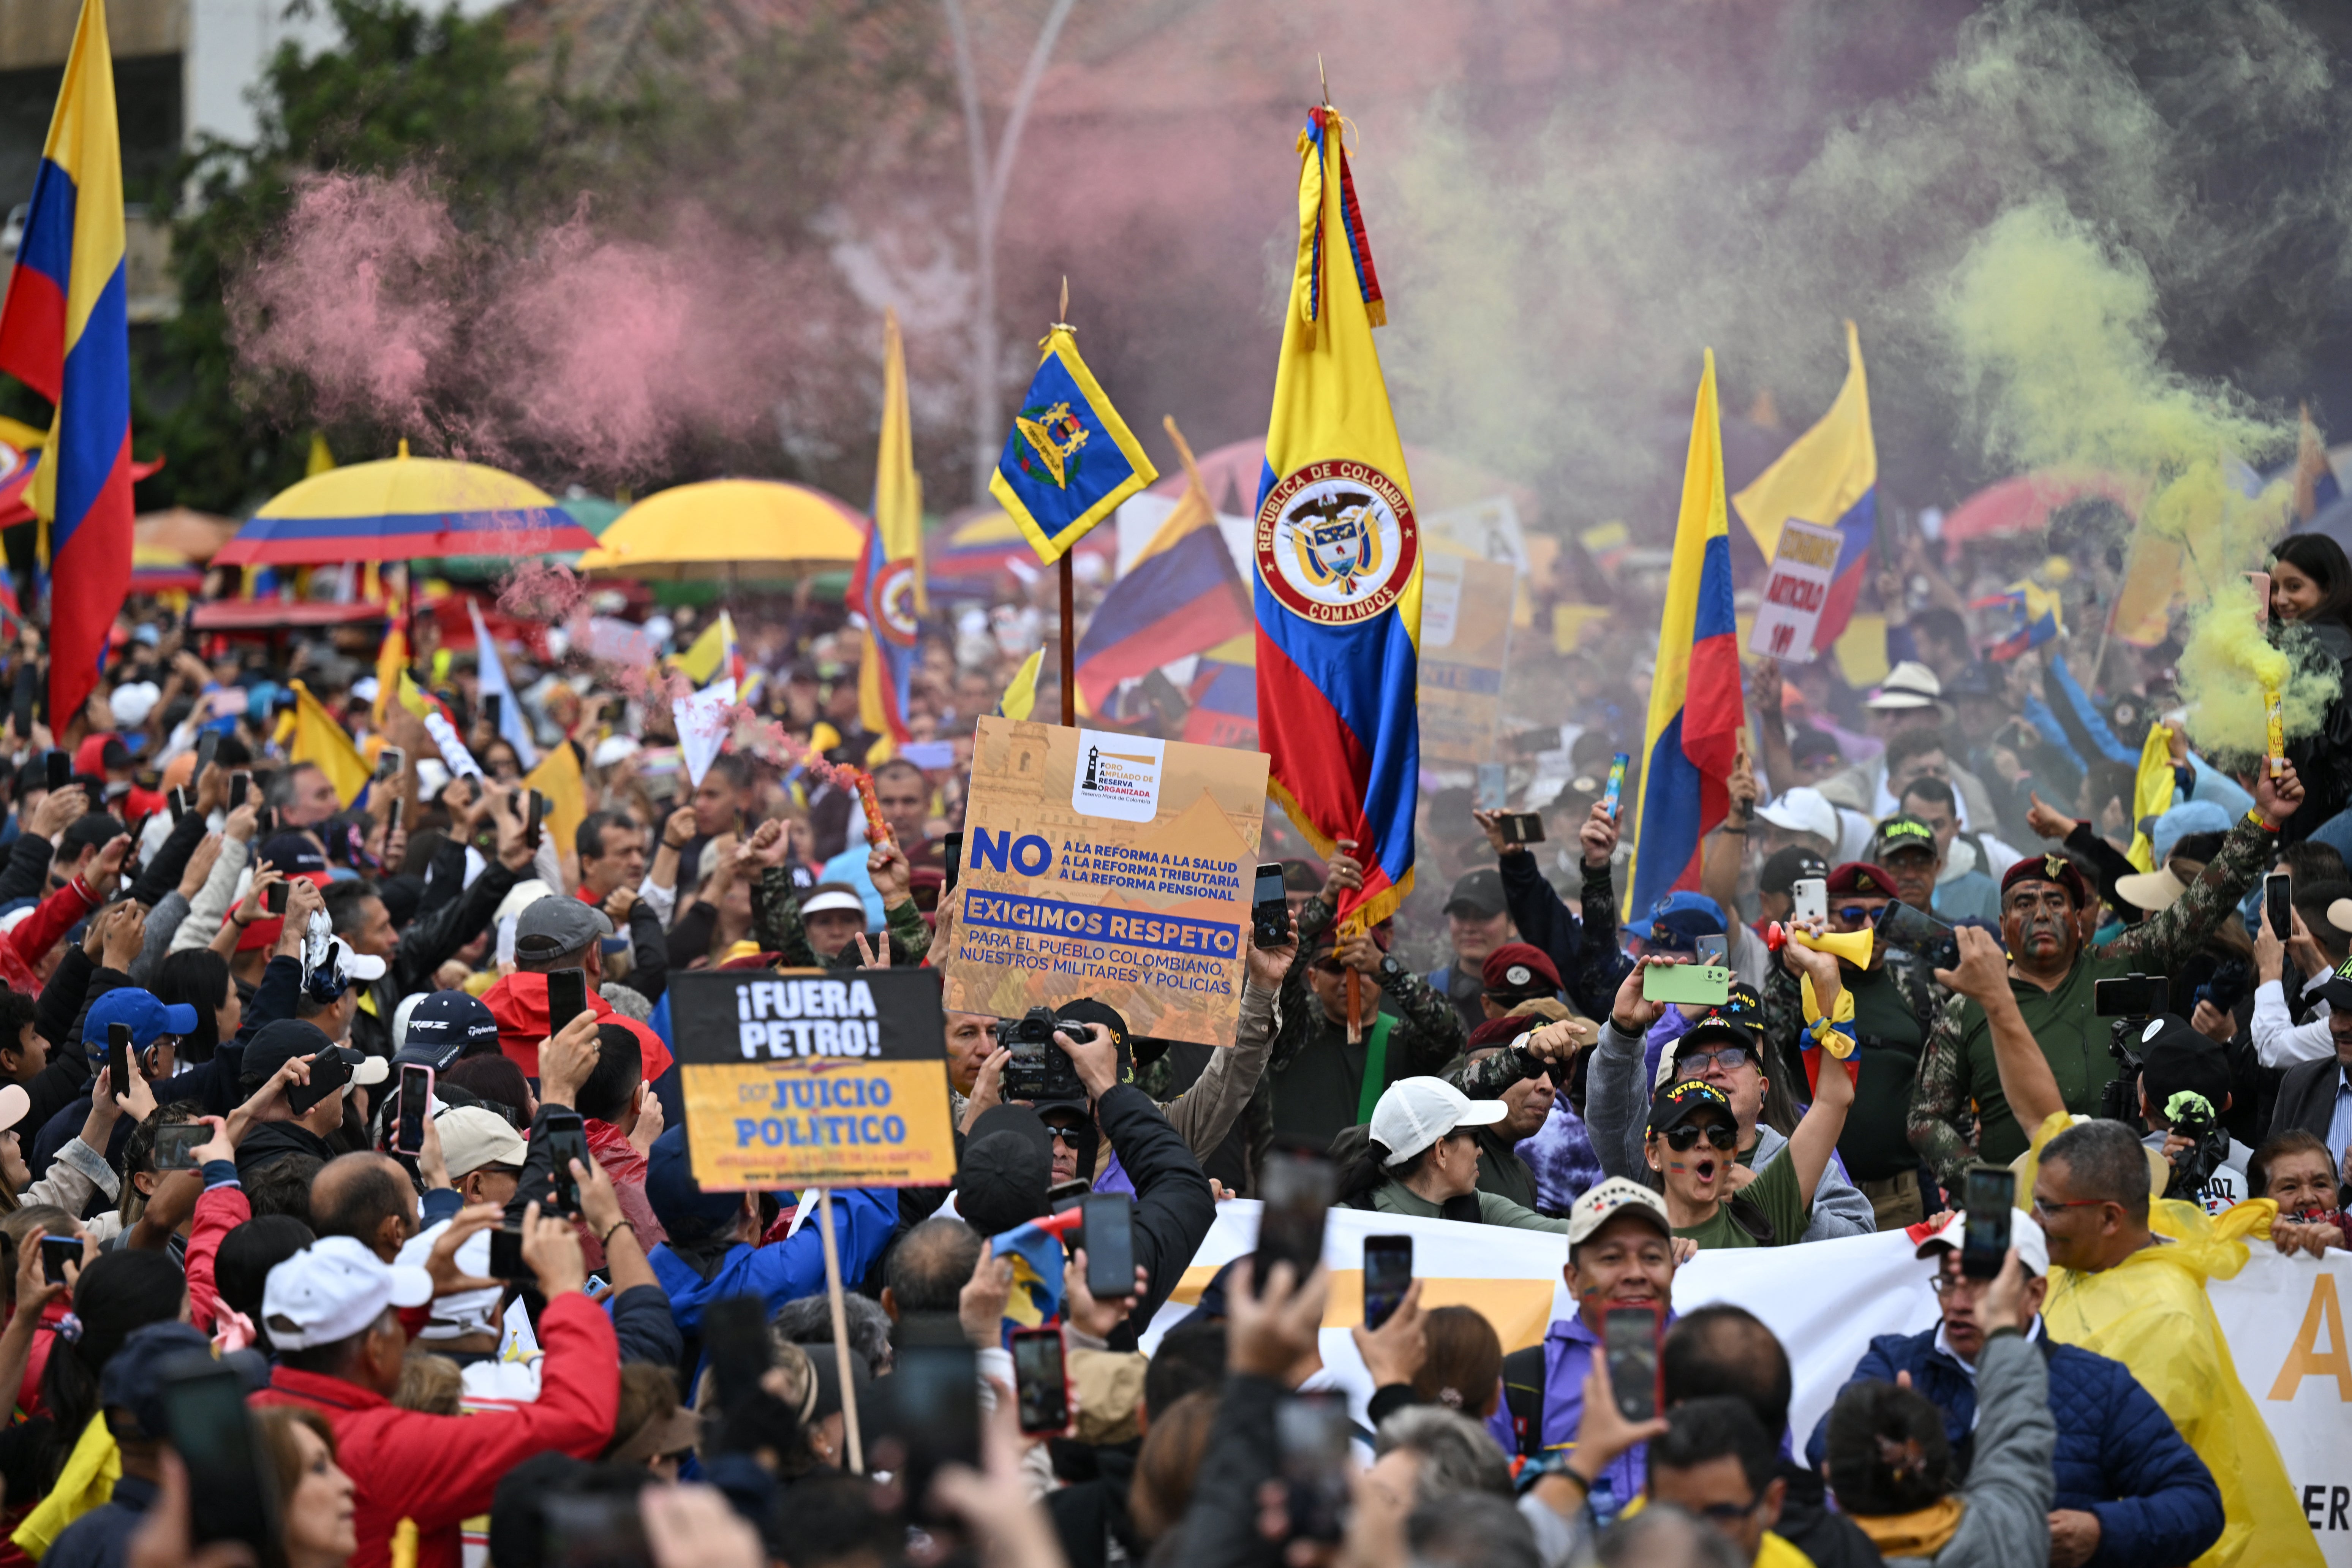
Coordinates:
(1920,1534)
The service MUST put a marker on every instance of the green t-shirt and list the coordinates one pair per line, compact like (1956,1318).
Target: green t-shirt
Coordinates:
(1876,1142)
(2072,1036)
(1774,1191)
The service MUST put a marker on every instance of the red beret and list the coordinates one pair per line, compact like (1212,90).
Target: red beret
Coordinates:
(1498,1032)
(2050,869)
(1861,878)
(1520,969)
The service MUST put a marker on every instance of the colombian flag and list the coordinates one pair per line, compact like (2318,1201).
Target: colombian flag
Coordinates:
(888,586)
(1180,595)
(1829,478)
(1224,695)
(1695,707)
(1338,553)
(2034,618)
(65,332)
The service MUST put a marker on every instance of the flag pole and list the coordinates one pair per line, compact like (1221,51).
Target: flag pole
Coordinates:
(1069,592)
(856,1449)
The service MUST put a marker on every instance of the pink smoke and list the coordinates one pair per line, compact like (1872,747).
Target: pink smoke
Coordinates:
(543,591)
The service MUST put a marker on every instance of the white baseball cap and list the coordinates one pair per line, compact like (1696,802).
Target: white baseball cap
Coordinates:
(468,1311)
(473,1137)
(2024,1234)
(1602,1202)
(1415,1112)
(333,1288)
(824,902)
(1802,810)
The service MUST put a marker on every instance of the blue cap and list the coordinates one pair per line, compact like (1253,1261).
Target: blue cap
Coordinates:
(1678,919)
(685,1210)
(2191,816)
(133,1378)
(147,1016)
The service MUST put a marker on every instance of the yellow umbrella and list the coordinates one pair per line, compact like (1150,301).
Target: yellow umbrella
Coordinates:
(730,528)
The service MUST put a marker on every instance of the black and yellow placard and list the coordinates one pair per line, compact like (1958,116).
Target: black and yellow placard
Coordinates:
(814,1078)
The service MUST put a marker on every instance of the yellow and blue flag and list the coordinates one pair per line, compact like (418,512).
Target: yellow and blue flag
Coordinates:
(1070,459)
(1693,734)
(65,332)
(1180,596)
(1829,478)
(2036,618)
(1020,696)
(888,586)
(1338,553)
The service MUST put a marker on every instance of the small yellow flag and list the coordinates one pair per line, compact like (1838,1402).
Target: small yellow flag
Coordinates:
(558,778)
(318,739)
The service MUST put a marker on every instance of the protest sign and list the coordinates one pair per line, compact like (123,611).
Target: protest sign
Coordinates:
(1795,592)
(1109,866)
(2284,1319)
(1465,645)
(807,1079)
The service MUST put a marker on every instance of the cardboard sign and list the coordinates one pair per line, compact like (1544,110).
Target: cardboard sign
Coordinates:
(1795,592)
(812,1077)
(1104,865)
(1465,646)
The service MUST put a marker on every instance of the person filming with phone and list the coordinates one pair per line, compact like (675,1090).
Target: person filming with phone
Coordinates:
(1583,946)
(2023,1039)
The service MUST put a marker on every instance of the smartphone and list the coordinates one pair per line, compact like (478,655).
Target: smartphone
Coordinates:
(567,997)
(118,1059)
(416,1106)
(735,1339)
(60,770)
(1700,984)
(328,1072)
(494,711)
(1522,828)
(2278,902)
(1041,1388)
(264,821)
(176,1144)
(506,1258)
(567,1140)
(1630,1341)
(1297,1187)
(1809,897)
(1310,1433)
(273,899)
(56,1251)
(2131,996)
(1110,1246)
(503,951)
(594,1530)
(1535,743)
(1388,1269)
(951,848)
(177,804)
(531,819)
(1612,796)
(1989,1193)
(239,785)
(389,763)
(1269,909)
(391,822)
(232,1484)
(1493,788)
(2261,581)
(927,1415)
(20,708)
(1710,949)
(207,748)
(1900,925)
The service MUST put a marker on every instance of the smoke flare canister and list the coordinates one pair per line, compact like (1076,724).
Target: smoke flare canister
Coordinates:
(2275,716)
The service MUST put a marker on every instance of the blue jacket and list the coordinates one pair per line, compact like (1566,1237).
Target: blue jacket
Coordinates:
(788,1270)
(2119,1456)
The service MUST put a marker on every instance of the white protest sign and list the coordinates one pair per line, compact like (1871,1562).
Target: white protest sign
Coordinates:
(2283,1318)
(702,726)
(1794,594)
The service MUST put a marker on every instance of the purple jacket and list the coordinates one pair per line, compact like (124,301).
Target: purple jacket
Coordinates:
(1569,1348)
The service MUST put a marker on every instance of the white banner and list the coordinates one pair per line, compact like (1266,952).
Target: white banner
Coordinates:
(2283,1318)
(1794,594)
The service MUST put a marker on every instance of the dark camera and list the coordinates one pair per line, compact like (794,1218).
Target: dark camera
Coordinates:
(1039,1071)
(2131,996)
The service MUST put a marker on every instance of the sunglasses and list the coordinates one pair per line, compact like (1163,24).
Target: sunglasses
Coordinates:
(1682,1139)
(1730,1059)
(1862,914)
(1066,1136)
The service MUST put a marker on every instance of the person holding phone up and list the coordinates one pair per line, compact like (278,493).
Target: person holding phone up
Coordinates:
(1583,946)
(2021,1039)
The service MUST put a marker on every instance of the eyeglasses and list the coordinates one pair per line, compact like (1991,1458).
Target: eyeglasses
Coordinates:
(2044,1208)
(1066,1136)
(1725,1512)
(1944,1284)
(1730,1058)
(1686,1136)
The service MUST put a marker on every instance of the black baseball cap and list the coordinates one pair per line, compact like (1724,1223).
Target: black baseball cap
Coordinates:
(1785,867)
(2176,1059)
(2337,989)
(1676,1103)
(1899,832)
(1479,893)
(443,1025)
(1738,1017)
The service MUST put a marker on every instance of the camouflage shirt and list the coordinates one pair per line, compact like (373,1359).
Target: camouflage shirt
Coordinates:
(1958,1112)
(776,924)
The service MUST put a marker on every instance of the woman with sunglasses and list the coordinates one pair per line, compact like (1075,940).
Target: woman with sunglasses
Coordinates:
(1693,1139)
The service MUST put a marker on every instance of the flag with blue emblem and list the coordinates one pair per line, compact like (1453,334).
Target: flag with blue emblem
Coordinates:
(1070,459)
(2034,618)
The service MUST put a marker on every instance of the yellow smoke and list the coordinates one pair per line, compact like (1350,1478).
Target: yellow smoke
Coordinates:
(2227,663)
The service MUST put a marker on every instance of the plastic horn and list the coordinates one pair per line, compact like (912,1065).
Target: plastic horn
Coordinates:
(1853,946)
(2275,718)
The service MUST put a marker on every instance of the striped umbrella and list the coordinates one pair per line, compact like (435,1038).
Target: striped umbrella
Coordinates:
(399,509)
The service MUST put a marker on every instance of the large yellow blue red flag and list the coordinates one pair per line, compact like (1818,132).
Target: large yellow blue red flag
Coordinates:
(1693,734)
(65,332)
(1829,478)
(1070,459)
(886,588)
(1338,553)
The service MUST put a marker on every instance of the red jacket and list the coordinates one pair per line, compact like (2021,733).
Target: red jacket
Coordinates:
(519,1002)
(21,950)
(220,1210)
(441,1470)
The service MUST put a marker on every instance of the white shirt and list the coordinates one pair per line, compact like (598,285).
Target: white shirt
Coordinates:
(2279,1040)
(2032,1333)
(2226,1188)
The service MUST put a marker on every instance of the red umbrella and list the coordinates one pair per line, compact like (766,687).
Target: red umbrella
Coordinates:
(2023,505)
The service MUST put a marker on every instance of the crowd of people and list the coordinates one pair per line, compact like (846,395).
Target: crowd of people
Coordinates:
(538,1338)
